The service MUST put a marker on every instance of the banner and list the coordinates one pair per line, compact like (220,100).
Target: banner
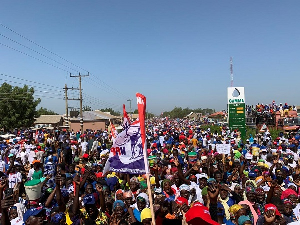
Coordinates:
(127,153)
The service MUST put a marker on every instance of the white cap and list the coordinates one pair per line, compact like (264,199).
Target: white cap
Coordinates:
(203,175)
(248,156)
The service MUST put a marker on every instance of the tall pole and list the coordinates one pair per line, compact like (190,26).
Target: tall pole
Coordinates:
(129,100)
(67,109)
(231,72)
(80,99)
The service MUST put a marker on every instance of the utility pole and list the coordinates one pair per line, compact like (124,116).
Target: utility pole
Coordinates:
(66,98)
(129,100)
(67,111)
(80,99)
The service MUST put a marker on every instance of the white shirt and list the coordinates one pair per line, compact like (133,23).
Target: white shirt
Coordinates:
(83,146)
(31,156)
(13,179)
(30,173)
(2,166)
(24,157)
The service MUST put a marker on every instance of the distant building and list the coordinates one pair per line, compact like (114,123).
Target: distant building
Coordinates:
(49,121)
(93,120)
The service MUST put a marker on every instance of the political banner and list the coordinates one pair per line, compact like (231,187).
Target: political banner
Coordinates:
(223,148)
(127,152)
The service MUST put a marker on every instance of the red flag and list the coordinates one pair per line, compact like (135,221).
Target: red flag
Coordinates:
(141,102)
(113,130)
(126,119)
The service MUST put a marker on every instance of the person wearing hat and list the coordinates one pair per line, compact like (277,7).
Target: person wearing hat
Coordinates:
(34,216)
(236,211)
(224,203)
(199,215)
(38,173)
(271,215)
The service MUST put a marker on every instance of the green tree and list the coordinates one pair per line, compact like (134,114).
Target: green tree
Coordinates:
(17,106)
(179,112)
(45,111)
(112,112)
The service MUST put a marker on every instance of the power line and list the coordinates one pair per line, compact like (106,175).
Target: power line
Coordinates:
(37,52)
(43,90)
(34,57)
(104,84)
(20,35)
(30,81)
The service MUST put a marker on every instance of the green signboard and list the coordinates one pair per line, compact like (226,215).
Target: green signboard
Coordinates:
(236,110)
(236,118)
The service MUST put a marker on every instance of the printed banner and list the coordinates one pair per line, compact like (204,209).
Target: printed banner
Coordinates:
(126,154)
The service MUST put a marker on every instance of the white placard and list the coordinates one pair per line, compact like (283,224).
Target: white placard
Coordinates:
(223,148)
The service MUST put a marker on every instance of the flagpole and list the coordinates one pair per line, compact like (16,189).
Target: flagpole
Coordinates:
(149,185)
(141,101)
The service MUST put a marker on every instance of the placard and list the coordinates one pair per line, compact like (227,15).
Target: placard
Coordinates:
(223,148)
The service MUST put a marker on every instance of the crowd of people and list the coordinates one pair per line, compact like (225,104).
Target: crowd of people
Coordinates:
(191,182)
(261,108)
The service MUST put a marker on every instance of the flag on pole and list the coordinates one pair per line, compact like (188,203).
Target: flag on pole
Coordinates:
(126,119)
(113,131)
(127,152)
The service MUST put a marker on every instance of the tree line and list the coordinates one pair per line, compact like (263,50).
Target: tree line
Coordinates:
(180,113)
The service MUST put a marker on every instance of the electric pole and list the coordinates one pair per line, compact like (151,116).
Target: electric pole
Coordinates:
(66,98)
(80,98)
(129,100)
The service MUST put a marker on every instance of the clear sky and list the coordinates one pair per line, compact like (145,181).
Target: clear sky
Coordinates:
(176,53)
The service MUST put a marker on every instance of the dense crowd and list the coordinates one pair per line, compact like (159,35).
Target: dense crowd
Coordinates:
(58,177)
(261,108)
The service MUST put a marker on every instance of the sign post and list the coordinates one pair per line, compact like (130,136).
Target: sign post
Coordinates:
(236,110)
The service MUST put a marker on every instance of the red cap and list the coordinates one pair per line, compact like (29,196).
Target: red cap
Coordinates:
(198,204)
(198,214)
(181,201)
(272,207)
(85,155)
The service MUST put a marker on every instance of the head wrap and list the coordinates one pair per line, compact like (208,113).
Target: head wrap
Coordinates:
(184,187)
(287,193)
(242,219)
(235,208)
(118,203)
(134,180)
(143,185)
(145,197)
(145,214)
(285,201)
(209,180)
(165,181)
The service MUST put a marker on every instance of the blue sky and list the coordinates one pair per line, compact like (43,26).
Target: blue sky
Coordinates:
(176,53)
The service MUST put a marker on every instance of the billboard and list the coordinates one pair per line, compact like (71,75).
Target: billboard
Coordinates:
(236,109)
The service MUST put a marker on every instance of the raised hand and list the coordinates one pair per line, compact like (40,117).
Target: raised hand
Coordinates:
(269,216)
